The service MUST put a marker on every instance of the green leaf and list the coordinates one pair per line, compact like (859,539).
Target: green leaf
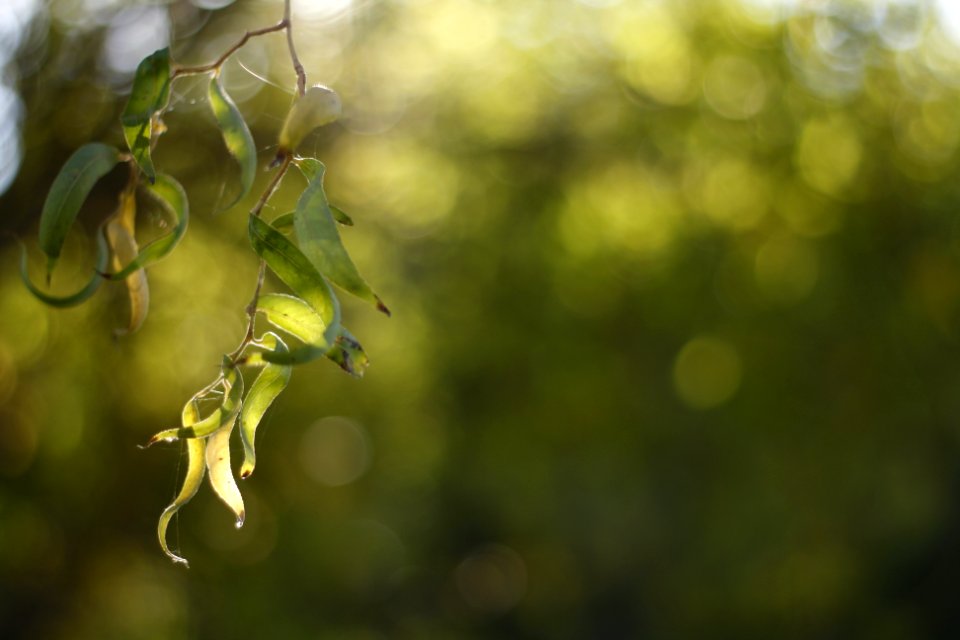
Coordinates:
(295,316)
(341,216)
(191,482)
(120,235)
(272,380)
(70,188)
(293,268)
(236,135)
(283,223)
(103,257)
(232,384)
(221,475)
(349,354)
(320,241)
(151,90)
(172,197)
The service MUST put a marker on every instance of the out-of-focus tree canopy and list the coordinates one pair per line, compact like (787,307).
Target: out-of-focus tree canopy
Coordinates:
(674,352)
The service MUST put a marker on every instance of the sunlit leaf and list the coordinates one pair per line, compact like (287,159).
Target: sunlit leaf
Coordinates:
(232,383)
(172,197)
(221,475)
(196,468)
(320,105)
(320,241)
(120,235)
(236,135)
(293,268)
(295,317)
(349,354)
(264,390)
(70,188)
(103,257)
(151,89)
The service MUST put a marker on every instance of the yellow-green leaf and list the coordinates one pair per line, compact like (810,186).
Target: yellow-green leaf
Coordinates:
(349,354)
(320,241)
(236,135)
(173,199)
(120,235)
(196,467)
(269,383)
(150,92)
(221,475)
(70,188)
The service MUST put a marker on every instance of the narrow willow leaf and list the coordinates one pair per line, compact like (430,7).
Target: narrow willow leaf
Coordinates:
(172,197)
(232,384)
(272,380)
(120,235)
(320,105)
(70,188)
(221,475)
(312,168)
(349,354)
(341,216)
(293,268)
(236,135)
(320,241)
(196,468)
(283,223)
(103,257)
(294,316)
(151,89)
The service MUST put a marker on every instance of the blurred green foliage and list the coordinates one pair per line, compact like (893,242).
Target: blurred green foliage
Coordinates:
(676,291)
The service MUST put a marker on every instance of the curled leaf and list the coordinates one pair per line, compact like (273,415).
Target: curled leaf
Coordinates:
(70,188)
(349,354)
(150,92)
(283,223)
(173,199)
(320,241)
(221,475)
(269,383)
(120,235)
(196,468)
(296,271)
(73,299)
(236,135)
(232,384)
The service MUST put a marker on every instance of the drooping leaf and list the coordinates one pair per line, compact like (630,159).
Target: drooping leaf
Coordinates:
(283,223)
(226,412)
(70,188)
(294,316)
(320,241)
(293,268)
(221,475)
(320,105)
(120,235)
(236,135)
(312,168)
(349,354)
(150,92)
(172,197)
(103,257)
(341,216)
(269,383)
(196,467)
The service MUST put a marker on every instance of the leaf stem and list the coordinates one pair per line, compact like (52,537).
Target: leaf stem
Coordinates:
(216,64)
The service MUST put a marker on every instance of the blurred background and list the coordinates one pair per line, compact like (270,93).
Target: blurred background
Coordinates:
(674,350)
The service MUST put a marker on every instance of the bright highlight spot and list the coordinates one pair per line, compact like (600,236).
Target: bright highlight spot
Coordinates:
(706,372)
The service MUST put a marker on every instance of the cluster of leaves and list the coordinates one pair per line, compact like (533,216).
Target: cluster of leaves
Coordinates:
(306,323)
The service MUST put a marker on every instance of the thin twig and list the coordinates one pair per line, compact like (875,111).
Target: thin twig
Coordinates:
(206,68)
(301,74)
(252,306)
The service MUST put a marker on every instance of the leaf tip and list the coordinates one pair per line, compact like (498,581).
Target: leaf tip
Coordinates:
(382,307)
(240,518)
